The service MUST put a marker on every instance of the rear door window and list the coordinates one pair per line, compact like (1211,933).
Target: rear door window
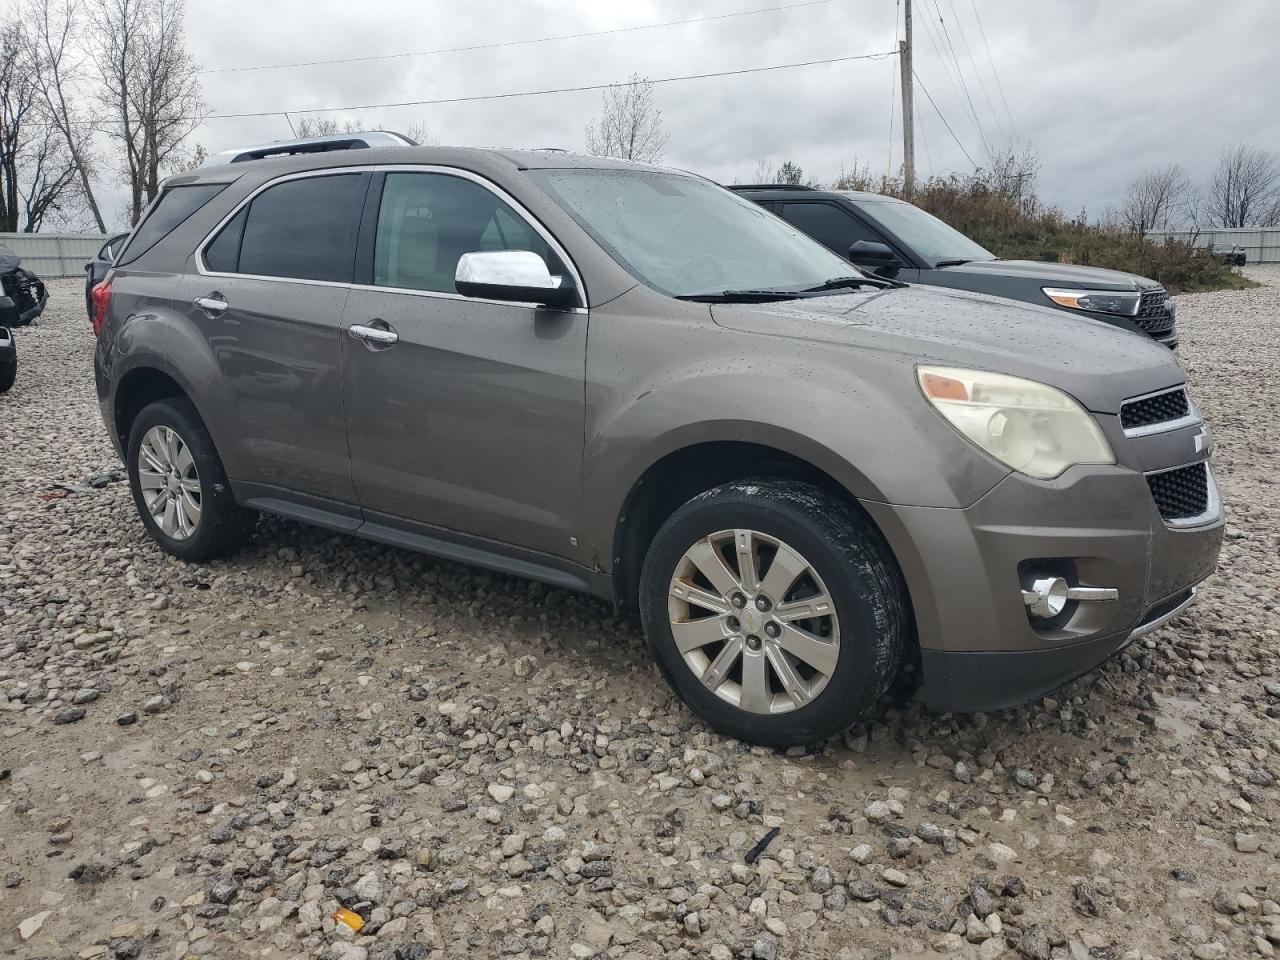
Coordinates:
(833,227)
(301,229)
(171,208)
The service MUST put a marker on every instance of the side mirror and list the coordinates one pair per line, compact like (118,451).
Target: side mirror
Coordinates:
(518,275)
(871,253)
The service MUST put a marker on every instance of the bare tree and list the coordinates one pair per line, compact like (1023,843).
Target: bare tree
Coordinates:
(56,70)
(1155,198)
(630,126)
(1245,188)
(320,127)
(1012,175)
(149,89)
(37,176)
(16,107)
(416,131)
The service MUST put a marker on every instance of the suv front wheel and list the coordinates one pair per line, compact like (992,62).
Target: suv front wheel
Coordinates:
(179,485)
(775,610)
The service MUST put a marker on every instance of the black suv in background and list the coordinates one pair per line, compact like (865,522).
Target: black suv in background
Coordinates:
(894,238)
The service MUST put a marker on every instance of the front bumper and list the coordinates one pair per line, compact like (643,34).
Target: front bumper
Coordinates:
(961,682)
(1096,526)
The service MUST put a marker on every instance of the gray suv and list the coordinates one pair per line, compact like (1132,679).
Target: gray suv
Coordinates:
(629,381)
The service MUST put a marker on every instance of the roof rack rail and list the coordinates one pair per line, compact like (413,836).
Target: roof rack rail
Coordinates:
(768,186)
(340,141)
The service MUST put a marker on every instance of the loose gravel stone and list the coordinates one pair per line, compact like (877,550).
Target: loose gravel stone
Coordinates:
(476,765)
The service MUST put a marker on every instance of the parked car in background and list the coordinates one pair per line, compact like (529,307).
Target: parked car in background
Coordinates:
(95,271)
(895,238)
(23,287)
(8,346)
(1231,253)
(800,476)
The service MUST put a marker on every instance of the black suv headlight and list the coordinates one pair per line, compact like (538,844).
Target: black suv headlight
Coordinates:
(1123,303)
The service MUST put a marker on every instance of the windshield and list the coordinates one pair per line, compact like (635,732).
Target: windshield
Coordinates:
(925,234)
(688,237)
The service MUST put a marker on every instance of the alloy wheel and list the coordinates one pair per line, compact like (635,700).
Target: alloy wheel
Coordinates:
(753,620)
(169,481)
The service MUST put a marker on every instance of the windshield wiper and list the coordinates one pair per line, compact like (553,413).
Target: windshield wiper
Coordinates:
(740,296)
(841,282)
(951,263)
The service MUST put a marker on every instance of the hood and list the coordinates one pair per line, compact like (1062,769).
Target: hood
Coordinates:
(1056,274)
(1098,364)
(8,259)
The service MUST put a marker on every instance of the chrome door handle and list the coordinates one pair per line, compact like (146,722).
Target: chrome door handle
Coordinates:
(213,305)
(374,337)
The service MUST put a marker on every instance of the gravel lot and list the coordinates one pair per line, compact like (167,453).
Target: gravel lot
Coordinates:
(211,761)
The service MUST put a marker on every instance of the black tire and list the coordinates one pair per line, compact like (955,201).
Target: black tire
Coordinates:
(860,574)
(8,372)
(223,525)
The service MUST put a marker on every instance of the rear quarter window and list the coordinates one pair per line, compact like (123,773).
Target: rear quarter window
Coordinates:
(171,208)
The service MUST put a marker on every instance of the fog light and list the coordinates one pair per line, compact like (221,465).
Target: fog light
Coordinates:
(1048,596)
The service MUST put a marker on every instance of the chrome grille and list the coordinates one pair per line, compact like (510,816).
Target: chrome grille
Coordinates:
(1155,409)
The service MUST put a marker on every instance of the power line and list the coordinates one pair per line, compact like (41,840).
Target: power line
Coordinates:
(944,120)
(545,92)
(960,73)
(516,43)
(511,95)
(999,86)
(973,63)
(893,86)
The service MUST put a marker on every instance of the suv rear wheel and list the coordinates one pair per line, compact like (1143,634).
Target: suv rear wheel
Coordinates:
(179,485)
(775,610)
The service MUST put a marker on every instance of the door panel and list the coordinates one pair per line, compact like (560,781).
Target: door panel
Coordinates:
(276,350)
(472,420)
(269,304)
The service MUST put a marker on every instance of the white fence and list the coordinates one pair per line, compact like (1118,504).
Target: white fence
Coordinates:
(50,255)
(1261,244)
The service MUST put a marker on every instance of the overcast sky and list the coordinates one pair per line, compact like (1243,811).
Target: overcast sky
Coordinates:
(1101,89)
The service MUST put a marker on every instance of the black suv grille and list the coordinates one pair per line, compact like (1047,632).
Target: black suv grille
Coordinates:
(1181,493)
(1161,408)
(1153,317)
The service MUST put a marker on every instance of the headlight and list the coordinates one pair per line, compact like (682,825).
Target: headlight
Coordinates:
(1033,428)
(1121,302)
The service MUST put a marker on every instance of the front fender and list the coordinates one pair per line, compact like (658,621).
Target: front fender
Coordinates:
(880,442)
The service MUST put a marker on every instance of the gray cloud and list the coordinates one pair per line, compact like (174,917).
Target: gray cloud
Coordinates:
(1102,89)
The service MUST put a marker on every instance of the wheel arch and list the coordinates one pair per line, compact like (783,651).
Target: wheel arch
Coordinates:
(684,470)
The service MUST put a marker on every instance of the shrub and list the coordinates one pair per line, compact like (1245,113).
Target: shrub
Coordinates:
(1017,227)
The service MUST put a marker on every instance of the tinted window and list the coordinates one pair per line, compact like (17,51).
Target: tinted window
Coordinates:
(922,232)
(222,255)
(303,229)
(172,207)
(831,226)
(427,221)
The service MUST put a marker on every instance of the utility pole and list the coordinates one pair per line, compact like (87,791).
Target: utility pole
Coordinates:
(908,110)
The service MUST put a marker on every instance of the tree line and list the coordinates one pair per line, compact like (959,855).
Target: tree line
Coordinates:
(74,73)
(1243,191)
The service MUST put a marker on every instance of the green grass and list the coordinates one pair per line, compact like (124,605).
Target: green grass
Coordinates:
(1023,231)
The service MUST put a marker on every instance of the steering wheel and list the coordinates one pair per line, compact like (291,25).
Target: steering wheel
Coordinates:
(704,275)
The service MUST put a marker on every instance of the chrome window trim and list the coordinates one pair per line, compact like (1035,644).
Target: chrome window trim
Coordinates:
(489,185)
(1191,418)
(1213,502)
